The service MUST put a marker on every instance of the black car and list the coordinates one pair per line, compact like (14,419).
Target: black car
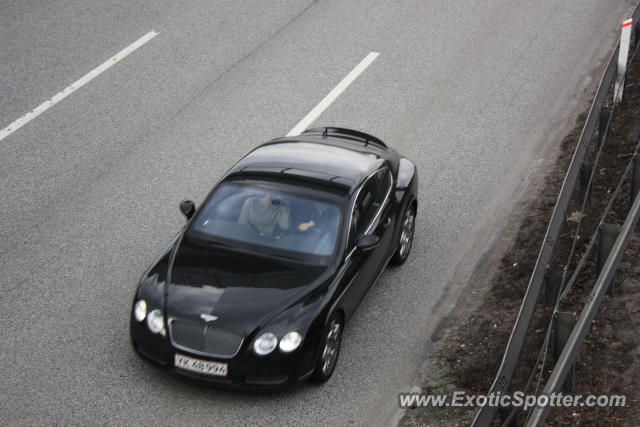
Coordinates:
(256,289)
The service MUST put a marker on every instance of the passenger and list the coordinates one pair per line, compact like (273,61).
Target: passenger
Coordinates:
(265,214)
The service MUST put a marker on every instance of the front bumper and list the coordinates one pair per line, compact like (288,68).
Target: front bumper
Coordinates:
(245,371)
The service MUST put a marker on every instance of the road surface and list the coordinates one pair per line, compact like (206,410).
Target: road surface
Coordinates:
(473,91)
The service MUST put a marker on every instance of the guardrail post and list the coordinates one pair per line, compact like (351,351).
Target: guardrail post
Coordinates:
(608,234)
(635,178)
(553,281)
(605,114)
(585,175)
(563,324)
(623,55)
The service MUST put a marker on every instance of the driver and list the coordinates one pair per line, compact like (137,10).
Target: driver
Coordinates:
(318,220)
(265,214)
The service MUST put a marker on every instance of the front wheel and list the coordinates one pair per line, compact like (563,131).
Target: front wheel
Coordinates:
(406,237)
(329,350)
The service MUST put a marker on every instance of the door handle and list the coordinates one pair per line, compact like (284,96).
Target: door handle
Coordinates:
(386,222)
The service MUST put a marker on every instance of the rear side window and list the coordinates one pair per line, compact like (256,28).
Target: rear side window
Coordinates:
(369,202)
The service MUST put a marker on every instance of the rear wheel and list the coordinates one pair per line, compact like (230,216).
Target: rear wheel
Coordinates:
(406,236)
(329,349)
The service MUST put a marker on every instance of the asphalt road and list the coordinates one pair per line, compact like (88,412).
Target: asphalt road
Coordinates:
(473,91)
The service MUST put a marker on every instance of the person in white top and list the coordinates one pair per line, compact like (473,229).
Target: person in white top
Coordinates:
(265,214)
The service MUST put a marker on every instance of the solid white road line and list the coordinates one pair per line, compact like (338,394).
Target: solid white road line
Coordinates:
(76,85)
(327,100)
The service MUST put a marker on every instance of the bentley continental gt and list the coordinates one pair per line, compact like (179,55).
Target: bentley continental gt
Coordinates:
(255,290)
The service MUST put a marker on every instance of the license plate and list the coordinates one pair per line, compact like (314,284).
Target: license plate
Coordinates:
(200,366)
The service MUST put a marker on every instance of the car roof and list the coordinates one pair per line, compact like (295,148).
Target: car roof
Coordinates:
(331,161)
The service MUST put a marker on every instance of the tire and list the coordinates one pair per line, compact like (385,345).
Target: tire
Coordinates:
(405,240)
(329,350)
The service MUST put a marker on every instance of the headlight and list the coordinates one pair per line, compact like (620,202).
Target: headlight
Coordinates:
(265,344)
(140,310)
(290,342)
(155,321)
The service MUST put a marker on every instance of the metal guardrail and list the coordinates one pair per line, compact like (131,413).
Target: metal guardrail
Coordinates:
(576,338)
(504,376)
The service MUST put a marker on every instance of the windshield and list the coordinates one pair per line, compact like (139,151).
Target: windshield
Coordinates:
(270,218)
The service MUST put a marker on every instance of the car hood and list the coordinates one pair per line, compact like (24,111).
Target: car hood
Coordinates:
(243,291)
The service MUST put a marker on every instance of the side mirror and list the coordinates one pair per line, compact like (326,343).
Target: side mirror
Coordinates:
(188,208)
(367,243)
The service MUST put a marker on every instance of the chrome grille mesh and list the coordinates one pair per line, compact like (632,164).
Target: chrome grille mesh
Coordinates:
(204,338)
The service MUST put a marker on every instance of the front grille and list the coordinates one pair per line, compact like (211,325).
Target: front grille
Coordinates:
(204,338)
